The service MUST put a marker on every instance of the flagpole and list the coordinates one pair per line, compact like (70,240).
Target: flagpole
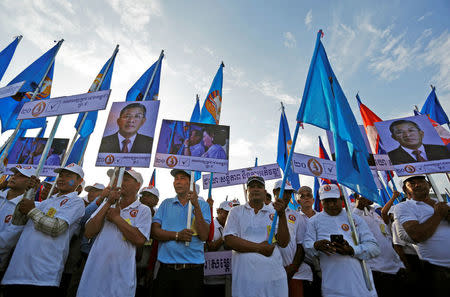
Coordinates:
(153,74)
(283,182)
(80,126)
(189,214)
(356,239)
(36,91)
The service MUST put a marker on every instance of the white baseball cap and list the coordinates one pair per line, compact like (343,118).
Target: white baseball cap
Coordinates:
(28,171)
(406,178)
(151,190)
(96,186)
(72,167)
(329,191)
(287,186)
(136,175)
(226,205)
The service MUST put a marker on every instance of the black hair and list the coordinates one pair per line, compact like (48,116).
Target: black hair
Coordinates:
(218,136)
(400,122)
(134,105)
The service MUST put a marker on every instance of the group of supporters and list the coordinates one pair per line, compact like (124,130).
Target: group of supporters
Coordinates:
(114,242)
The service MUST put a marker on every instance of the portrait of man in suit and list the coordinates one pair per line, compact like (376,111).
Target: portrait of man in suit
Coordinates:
(127,139)
(411,149)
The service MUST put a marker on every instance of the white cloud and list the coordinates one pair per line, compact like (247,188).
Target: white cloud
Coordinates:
(274,89)
(208,50)
(241,148)
(289,40)
(424,16)
(135,14)
(308,19)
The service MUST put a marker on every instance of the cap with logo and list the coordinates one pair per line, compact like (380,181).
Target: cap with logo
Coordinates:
(151,190)
(287,186)
(96,186)
(72,167)
(329,191)
(226,205)
(28,171)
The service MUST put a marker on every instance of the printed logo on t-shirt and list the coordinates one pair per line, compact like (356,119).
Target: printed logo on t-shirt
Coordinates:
(134,212)
(8,218)
(271,216)
(345,227)
(51,212)
(292,219)
(63,202)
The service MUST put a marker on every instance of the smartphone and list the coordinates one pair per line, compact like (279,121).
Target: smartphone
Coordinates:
(339,238)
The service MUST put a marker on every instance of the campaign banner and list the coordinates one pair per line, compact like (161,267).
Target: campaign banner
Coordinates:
(27,152)
(193,146)
(217,263)
(64,105)
(128,137)
(321,168)
(414,146)
(11,90)
(240,176)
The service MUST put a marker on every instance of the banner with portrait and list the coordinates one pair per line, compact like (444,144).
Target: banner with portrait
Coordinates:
(128,137)
(414,146)
(193,146)
(27,151)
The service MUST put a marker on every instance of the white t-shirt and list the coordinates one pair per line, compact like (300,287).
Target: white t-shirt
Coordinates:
(400,237)
(39,258)
(436,248)
(341,275)
(255,275)
(388,261)
(110,269)
(9,233)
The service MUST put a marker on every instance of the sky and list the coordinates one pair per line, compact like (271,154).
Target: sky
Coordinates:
(388,51)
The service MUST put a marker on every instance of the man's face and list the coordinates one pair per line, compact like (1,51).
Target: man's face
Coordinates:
(195,137)
(130,121)
(222,215)
(181,183)
(306,198)
(94,193)
(256,192)
(130,186)
(417,187)
(207,139)
(149,199)
(68,181)
(18,181)
(332,206)
(408,135)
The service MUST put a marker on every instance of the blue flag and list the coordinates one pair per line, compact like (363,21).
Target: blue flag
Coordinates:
(78,150)
(195,116)
(32,76)
(317,204)
(324,105)
(210,113)
(7,54)
(284,146)
(91,119)
(137,91)
(433,108)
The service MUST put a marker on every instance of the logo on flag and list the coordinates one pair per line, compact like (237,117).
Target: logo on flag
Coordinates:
(95,83)
(213,105)
(46,89)
(315,167)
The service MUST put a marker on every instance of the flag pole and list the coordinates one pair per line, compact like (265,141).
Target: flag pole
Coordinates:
(80,126)
(153,74)
(356,239)
(189,214)
(287,169)
(36,91)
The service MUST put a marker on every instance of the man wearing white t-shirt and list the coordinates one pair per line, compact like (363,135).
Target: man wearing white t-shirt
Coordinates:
(342,274)
(293,255)
(121,224)
(37,263)
(427,223)
(257,266)
(9,198)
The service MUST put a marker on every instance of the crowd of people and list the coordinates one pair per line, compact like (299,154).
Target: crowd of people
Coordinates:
(120,241)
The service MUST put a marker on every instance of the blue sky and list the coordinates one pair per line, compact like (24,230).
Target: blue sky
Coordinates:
(389,51)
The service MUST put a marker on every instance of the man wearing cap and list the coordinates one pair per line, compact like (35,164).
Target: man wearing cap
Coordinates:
(38,261)
(93,191)
(339,256)
(121,223)
(150,197)
(18,183)
(386,266)
(181,271)
(293,255)
(427,223)
(257,265)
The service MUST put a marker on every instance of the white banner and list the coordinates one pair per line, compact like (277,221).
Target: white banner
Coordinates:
(11,90)
(313,166)
(383,163)
(423,167)
(47,170)
(123,160)
(190,163)
(64,105)
(240,176)
(217,263)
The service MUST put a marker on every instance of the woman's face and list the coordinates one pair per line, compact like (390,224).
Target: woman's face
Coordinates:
(207,140)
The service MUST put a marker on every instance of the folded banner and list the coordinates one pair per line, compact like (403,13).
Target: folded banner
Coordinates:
(321,168)
(240,176)
(217,263)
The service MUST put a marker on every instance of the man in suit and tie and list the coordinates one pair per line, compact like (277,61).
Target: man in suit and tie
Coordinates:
(126,139)
(411,148)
